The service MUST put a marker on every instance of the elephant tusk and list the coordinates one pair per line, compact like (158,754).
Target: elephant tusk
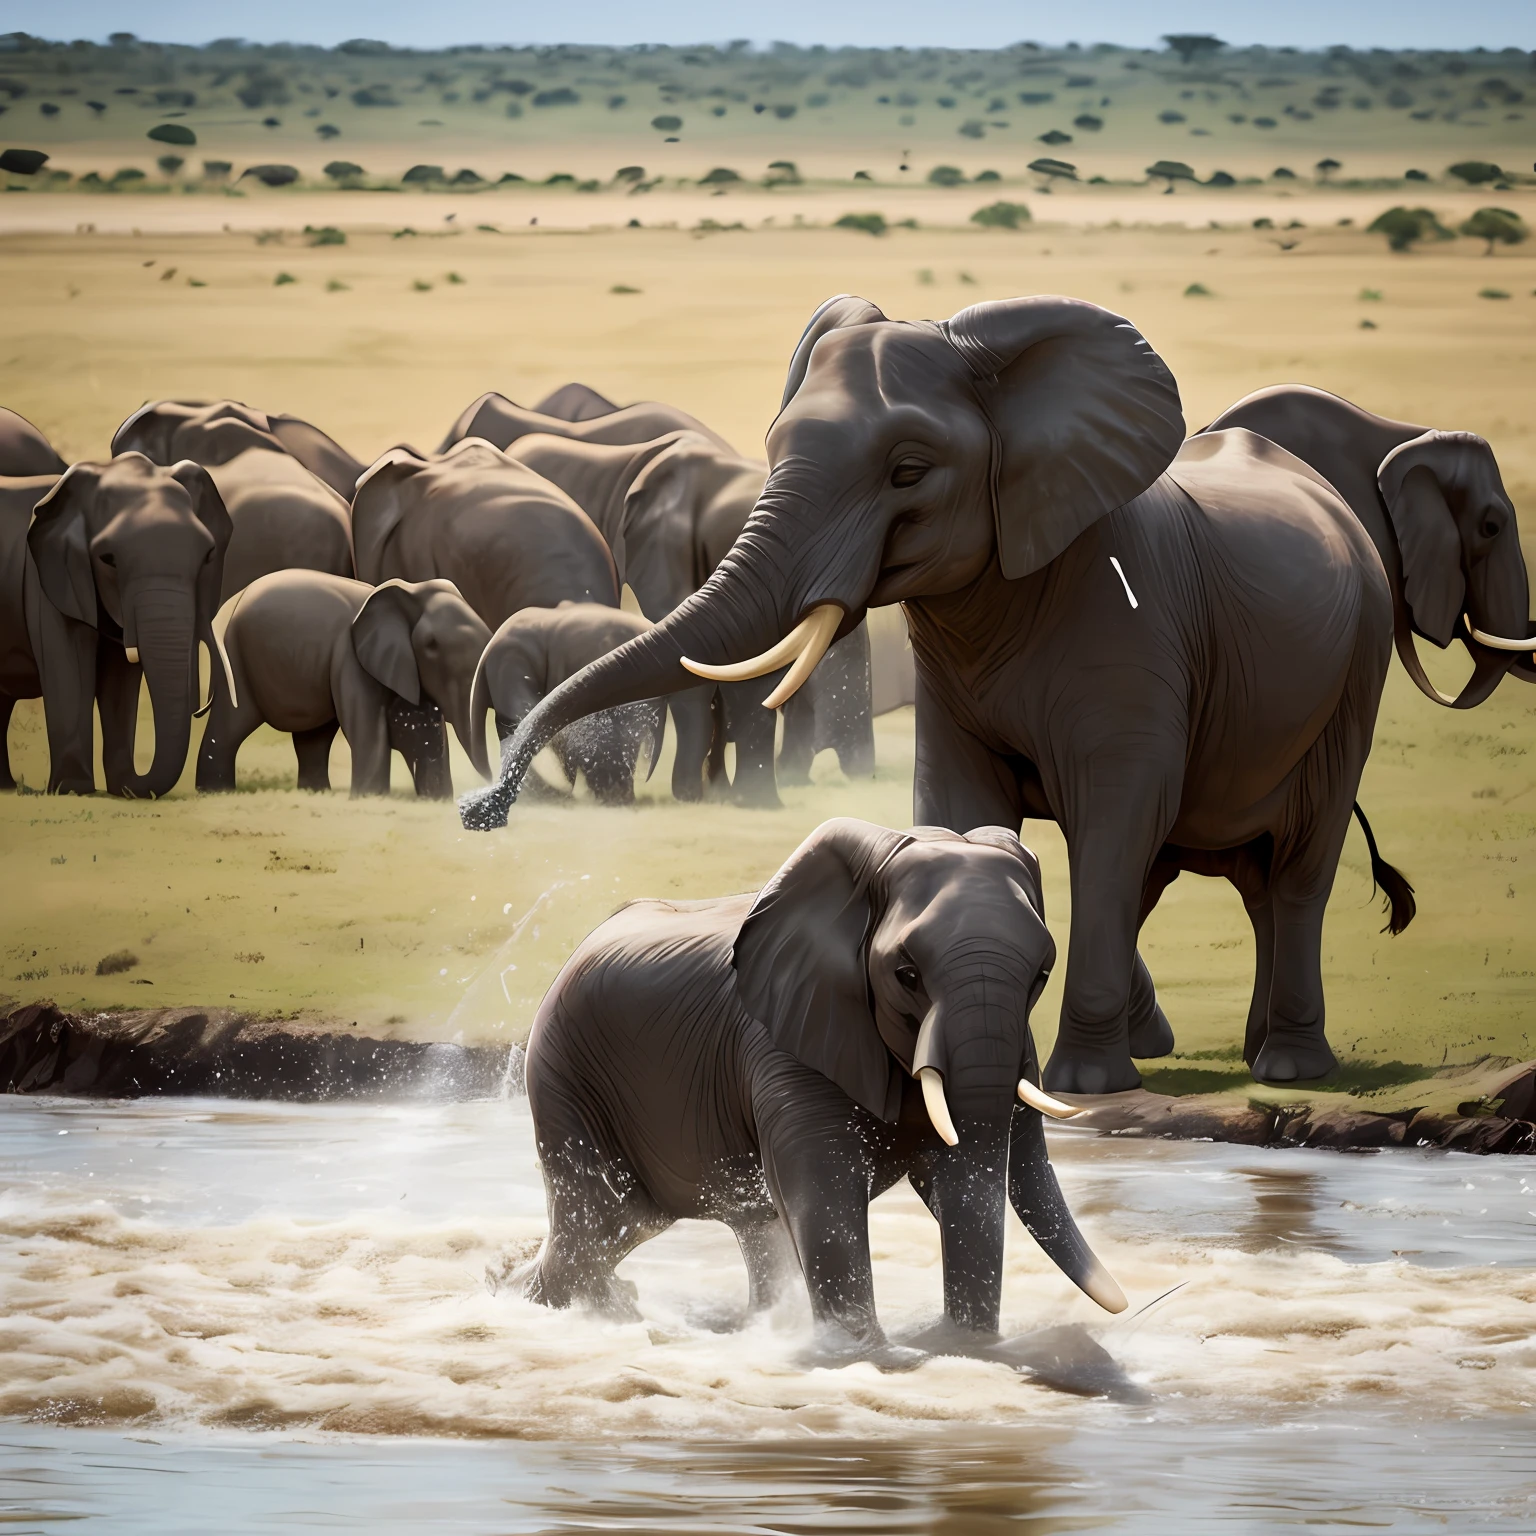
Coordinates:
(804,645)
(132,653)
(1498,642)
(1100,1286)
(938,1110)
(1037,1099)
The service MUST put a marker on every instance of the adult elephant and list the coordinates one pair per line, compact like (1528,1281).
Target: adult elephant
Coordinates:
(111,574)
(502,421)
(1436,509)
(576,402)
(776,1060)
(530,656)
(504,536)
(215,432)
(308,653)
(1174,651)
(24,450)
(669,510)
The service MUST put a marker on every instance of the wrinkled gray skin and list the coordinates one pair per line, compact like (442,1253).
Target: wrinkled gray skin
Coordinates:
(503,535)
(115,555)
(669,510)
(310,653)
(24,450)
(502,421)
(751,1060)
(1207,705)
(214,432)
(1436,509)
(533,653)
(575,402)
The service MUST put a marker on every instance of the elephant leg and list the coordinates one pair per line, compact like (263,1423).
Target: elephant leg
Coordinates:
(841,687)
(715,773)
(693,722)
(117,702)
(1262,915)
(1295,1047)
(227,727)
(68,668)
(798,750)
(416,732)
(752,728)
(7,705)
(1148,1031)
(362,708)
(958,782)
(313,750)
(770,1259)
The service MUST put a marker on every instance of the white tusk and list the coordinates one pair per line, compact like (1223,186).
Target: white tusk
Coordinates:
(788,649)
(132,653)
(826,619)
(1100,1285)
(1036,1099)
(1498,642)
(938,1110)
(1130,596)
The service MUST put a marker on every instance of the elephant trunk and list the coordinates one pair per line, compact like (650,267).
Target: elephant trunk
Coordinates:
(745,607)
(160,623)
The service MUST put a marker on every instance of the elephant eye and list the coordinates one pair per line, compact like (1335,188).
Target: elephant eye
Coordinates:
(109,559)
(908,473)
(1490,528)
(908,977)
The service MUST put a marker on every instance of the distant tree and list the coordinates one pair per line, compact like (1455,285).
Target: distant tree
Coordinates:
(666,123)
(946,176)
(630,173)
(218,170)
(1193,45)
(1002,216)
(1221,179)
(869,223)
(1045,166)
(1326,167)
(272,175)
(782,173)
(1406,227)
(22,162)
(1476,172)
(170,164)
(328,130)
(1283,173)
(172,133)
(1498,226)
(1415,176)
(1054,137)
(423,175)
(1170,171)
(1088,122)
(343,170)
(719,176)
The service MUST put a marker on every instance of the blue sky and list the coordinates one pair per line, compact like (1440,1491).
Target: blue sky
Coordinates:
(958,23)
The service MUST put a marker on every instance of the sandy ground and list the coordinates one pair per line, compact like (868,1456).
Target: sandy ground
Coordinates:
(386,912)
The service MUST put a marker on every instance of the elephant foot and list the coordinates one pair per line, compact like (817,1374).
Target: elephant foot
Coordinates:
(1283,1060)
(1152,1037)
(756,795)
(605,1294)
(944,1336)
(689,790)
(799,777)
(1082,1069)
(834,1348)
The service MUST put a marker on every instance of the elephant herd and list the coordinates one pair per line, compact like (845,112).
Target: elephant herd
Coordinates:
(389,601)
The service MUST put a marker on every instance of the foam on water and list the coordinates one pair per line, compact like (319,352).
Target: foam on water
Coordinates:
(327,1269)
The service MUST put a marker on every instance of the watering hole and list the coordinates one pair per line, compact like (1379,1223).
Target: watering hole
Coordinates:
(288,1308)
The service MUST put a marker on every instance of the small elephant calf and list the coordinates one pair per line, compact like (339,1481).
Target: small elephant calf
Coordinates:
(776,1060)
(306,652)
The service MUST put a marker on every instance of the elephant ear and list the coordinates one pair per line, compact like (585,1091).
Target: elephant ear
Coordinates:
(319,454)
(211,512)
(60,543)
(1086,415)
(381,637)
(1416,480)
(378,504)
(800,960)
(1029,866)
(833,315)
(149,429)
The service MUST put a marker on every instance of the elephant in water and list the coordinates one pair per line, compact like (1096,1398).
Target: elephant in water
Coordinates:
(776,1060)
(533,653)
(1436,509)
(503,535)
(502,421)
(307,652)
(112,574)
(214,432)
(575,402)
(1175,651)
(24,450)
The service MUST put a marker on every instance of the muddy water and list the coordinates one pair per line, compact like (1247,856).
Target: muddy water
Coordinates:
(289,1314)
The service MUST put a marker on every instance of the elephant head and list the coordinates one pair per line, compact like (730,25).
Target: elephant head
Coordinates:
(423,642)
(875,956)
(138,551)
(907,459)
(1464,576)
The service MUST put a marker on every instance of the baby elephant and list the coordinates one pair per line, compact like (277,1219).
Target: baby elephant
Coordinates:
(784,1057)
(533,653)
(306,651)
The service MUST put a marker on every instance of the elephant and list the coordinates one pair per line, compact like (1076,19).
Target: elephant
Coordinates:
(504,535)
(307,651)
(669,510)
(24,450)
(214,432)
(535,651)
(1436,509)
(1173,650)
(575,402)
(502,421)
(776,1060)
(112,575)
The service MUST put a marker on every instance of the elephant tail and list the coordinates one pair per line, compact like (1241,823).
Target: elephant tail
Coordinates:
(1393,882)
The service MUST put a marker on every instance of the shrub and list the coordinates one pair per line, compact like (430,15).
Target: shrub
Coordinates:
(1406,227)
(1170,116)
(116,963)
(561,96)
(630,173)
(467,178)
(785,111)
(374,96)
(946,176)
(423,175)
(1170,171)
(1475,172)
(216,170)
(272,175)
(869,223)
(1198,291)
(623,288)
(666,123)
(1221,179)
(989,176)
(782,173)
(169,164)
(420,287)
(325,234)
(1326,167)
(717,177)
(1496,226)
(328,130)
(1054,137)
(972,128)
(1370,295)
(172,133)
(283,279)
(1001,216)
(1415,176)
(343,170)
(22,162)
(1088,122)
(335,285)
(1492,293)
(1263,223)
(1048,167)
(127,176)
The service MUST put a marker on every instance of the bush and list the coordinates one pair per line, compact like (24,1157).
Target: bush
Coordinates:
(623,288)
(630,173)
(169,164)
(1475,172)
(272,175)
(561,96)
(343,170)
(422,175)
(325,234)
(782,173)
(1282,173)
(127,176)
(989,176)
(283,279)
(1088,122)
(1497,226)
(1055,137)
(972,128)
(1406,227)
(328,130)
(172,133)
(1048,167)
(1198,291)
(946,176)
(717,177)
(467,178)
(1170,171)
(216,170)
(1415,176)
(374,96)
(785,111)
(666,123)
(1492,293)
(22,162)
(1221,179)
(1001,216)
(1170,116)
(116,963)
